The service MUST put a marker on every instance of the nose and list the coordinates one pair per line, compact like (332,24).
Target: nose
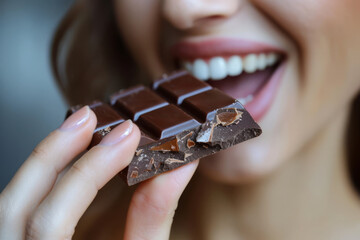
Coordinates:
(185,14)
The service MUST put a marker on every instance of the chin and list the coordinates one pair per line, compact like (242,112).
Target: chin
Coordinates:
(241,164)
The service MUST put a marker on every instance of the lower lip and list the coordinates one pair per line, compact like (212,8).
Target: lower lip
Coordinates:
(264,98)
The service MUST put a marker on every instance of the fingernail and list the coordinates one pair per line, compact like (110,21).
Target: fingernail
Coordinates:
(76,119)
(118,134)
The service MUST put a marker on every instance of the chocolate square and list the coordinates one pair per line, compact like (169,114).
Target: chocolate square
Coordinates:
(203,106)
(183,87)
(137,101)
(166,121)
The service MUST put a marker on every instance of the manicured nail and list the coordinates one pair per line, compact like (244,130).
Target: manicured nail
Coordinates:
(76,119)
(118,134)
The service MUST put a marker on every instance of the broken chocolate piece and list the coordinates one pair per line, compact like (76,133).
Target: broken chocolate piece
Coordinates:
(173,160)
(205,135)
(170,146)
(190,143)
(242,129)
(227,118)
(134,174)
(188,155)
(138,152)
(187,135)
(150,165)
(181,119)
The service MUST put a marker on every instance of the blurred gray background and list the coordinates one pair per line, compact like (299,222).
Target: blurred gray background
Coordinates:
(30,104)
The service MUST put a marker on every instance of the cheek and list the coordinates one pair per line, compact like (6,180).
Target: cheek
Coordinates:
(323,78)
(138,23)
(328,45)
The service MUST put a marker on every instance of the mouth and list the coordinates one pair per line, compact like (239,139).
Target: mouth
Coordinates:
(249,72)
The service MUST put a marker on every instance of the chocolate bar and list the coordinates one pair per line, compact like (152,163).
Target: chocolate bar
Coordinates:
(181,119)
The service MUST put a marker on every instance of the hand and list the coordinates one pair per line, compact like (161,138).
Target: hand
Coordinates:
(39,204)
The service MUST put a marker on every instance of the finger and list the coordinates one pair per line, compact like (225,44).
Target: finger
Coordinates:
(59,213)
(37,175)
(154,203)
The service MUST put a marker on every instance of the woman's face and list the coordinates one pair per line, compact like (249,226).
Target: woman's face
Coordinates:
(294,63)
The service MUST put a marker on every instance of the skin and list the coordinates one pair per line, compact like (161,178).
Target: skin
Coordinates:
(293,175)
(50,210)
(308,43)
(307,118)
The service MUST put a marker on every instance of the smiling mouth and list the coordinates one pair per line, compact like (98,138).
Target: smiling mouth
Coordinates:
(249,72)
(239,76)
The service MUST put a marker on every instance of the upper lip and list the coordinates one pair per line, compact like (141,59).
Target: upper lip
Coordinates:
(191,50)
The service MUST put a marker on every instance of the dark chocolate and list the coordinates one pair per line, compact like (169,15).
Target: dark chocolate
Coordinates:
(167,121)
(182,88)
(204,105)
(181,119)
(137,101)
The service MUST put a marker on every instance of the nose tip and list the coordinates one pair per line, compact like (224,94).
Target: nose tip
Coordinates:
(185,14)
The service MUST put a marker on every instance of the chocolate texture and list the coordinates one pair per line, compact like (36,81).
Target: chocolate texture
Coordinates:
(181,119)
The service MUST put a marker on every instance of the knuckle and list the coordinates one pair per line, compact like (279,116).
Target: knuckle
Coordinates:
(31,232)
(38,225)
(34,228)
(85,175)
(78,170)
(38,152)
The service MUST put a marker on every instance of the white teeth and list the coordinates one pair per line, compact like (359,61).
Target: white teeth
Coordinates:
(201,70)
(234,66)
(246,99)
(217,68)
(271,58)
(261,61)
(250,63)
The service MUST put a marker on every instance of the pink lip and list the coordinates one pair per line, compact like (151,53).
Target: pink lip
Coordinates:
(205,49)
(263,100)
(191,50)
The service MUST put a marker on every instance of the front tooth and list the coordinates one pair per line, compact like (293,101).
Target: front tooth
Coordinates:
(201,70)
(249,98)
(261,62)
(271,58)
(217,68)
(242,101)
(250,63)
(234,66)
(246,99)
(188,66)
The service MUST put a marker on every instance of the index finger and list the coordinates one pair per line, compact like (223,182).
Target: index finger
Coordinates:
(59,213)
(37,175)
